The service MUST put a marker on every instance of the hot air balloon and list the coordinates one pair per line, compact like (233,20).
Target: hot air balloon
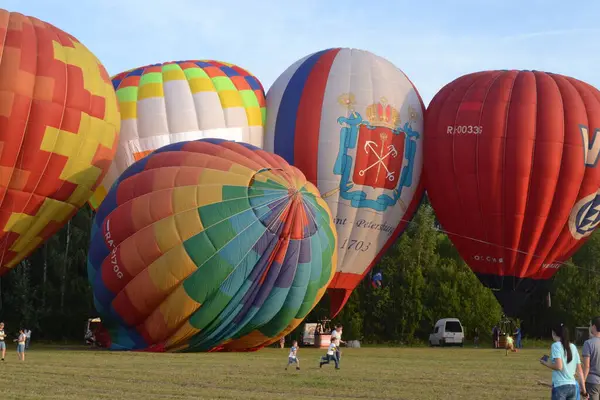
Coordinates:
(186,100)
(59,125)
(511,172)
(209,245)
(352,122)
(376,281)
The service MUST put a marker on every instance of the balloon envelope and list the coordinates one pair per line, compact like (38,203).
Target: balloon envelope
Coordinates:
(352,122)
(511,172)
(209,245)
(185,100)
(59,125)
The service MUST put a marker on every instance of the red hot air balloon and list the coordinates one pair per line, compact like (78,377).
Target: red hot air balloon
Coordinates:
(511,171)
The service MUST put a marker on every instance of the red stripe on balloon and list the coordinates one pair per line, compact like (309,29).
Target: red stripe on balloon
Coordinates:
(308,119)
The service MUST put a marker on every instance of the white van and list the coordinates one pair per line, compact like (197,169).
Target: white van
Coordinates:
(447,331)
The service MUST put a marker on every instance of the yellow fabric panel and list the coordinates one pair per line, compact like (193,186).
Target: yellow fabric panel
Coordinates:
(183,334)
(25,249)
(150,90)
(209,194)
(173,75)
(239,169)
(175,229)
(80,148)
(30,226)
(254,116)
(165,319)
(172,268)
(185,198)
(79,196)
(80,56)
(188,224)
(312,189)
(231,98)
(98,196)
(128,110)
(201,85)
(175,310)
(166,234)
(214,176)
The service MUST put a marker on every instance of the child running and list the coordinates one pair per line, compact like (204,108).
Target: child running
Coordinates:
(293,356)
(331,354)
(510,345)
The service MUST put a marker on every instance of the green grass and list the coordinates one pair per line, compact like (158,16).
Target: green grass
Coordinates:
(367,373)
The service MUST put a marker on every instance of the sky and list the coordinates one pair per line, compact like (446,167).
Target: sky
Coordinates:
(433,42)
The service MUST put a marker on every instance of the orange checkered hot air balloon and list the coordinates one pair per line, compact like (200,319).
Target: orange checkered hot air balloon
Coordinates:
(59,125)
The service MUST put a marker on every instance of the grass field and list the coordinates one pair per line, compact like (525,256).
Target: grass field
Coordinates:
(367,373)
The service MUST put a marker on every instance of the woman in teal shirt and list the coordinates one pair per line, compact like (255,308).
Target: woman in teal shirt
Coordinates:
(564,362)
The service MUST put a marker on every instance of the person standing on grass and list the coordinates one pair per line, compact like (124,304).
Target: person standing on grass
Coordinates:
(2,340)
(564,362)
(518,337)
(476,337)
(496,336)
(331,355)
(293,356)
(21,345)
(336,334)
(27,338)
(591,360)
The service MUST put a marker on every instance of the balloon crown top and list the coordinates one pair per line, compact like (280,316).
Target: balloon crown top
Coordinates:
(383,114)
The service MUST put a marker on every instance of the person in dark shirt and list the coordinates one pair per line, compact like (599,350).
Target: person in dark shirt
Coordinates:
(591,360)
(496,336)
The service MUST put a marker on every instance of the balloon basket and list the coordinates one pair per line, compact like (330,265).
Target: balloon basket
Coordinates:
(322,341)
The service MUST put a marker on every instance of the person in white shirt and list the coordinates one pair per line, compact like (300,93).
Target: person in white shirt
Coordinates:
(27,338)
(293,356)
(331,354)
(2,340)
(337,334)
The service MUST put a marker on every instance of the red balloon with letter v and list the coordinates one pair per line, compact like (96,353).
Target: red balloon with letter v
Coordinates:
(511,170)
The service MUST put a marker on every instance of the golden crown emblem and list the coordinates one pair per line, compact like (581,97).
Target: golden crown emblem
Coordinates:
(383,114)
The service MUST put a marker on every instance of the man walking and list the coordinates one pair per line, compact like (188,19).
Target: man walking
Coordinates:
(591,361)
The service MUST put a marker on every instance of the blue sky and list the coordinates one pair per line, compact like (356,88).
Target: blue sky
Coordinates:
(433,42)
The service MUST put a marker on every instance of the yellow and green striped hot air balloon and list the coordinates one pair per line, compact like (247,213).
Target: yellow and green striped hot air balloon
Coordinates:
(178,101)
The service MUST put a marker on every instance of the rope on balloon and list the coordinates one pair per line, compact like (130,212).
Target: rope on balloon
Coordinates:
(533,255)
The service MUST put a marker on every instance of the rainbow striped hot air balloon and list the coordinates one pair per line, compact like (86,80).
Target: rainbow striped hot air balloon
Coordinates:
(186,100)
(59,127)
(209,245)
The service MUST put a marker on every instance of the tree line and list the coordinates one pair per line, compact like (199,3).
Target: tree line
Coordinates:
(424,279)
